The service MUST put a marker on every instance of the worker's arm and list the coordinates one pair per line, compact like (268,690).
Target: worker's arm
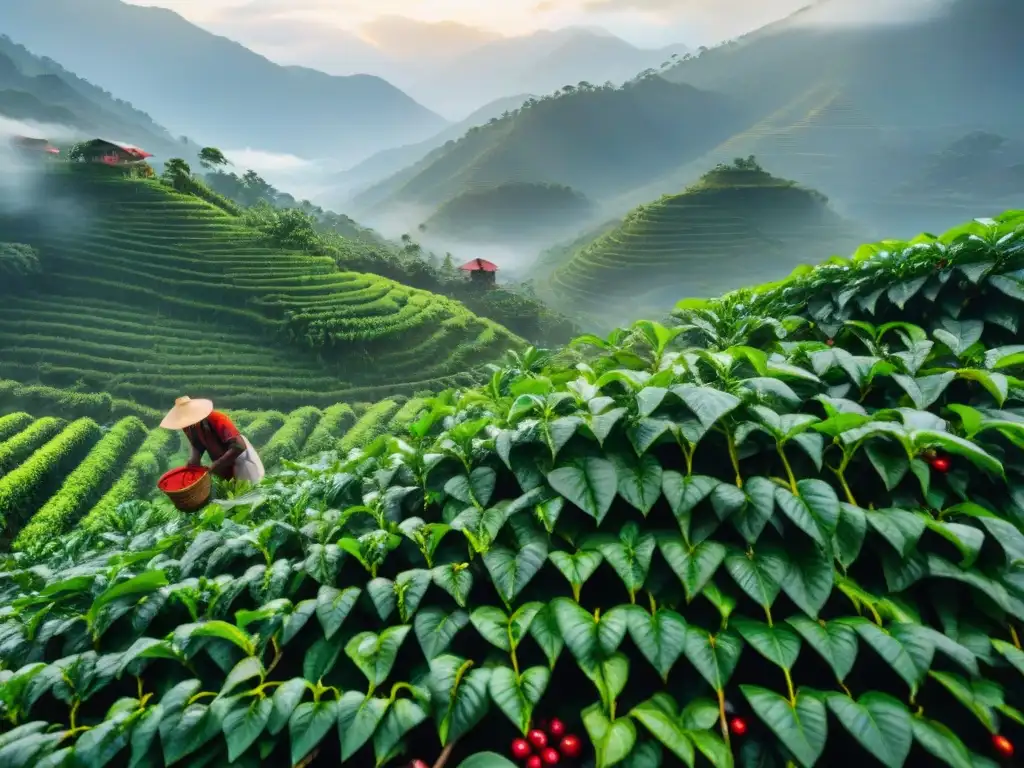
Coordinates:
(195,458)
(235,449)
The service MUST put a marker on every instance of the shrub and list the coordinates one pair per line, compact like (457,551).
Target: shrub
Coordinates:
(336,421)
(83,486)
(786,531)
(13,423)
(20,446)
(290,438)
(371,424)
(33,481)
(139,477)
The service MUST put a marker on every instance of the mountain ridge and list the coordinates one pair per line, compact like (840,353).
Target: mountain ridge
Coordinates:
(250,100)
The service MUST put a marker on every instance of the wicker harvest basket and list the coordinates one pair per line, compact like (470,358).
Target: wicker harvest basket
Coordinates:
(188,488)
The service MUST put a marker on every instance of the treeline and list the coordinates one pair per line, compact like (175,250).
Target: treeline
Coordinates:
(303,226)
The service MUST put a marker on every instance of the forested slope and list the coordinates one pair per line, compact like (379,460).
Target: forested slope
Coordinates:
(148,294)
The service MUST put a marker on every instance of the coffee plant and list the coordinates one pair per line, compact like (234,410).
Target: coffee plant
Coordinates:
(787,530)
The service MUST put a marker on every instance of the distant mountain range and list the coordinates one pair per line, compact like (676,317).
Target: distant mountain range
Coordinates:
(853,107)
(595,139)
(452,68)
(539,63)
(391,161)
(41,96)
(200,84)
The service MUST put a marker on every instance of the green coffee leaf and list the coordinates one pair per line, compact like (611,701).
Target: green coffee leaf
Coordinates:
(630,555)
(382,593)
(456,579)
(941,743)
(910,660)
(815,510)
(333,607)
(661,637)
(518,695)
(359,716)
(577,567)
(612,740)
(460,695)
(659,715)
(759,574)
(512,570)
(639,480)
(802,728)
(375,654)
(436,628)
(186,732)
(693,565)
(714,656)
(808,579)
(404,715)
(545,631)
(590,483)
(309,724)
(589,637)
(286,698)
(753,515)
(879,722)
(321,658)
(777,643)
(835,642)
(243,725)
(850,532)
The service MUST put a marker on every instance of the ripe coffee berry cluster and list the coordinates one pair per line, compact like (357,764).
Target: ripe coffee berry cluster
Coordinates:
(537,750)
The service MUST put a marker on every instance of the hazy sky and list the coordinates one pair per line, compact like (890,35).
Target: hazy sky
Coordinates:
(651,22)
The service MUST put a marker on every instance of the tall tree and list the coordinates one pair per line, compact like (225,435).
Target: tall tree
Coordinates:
(211,157)
(178,174)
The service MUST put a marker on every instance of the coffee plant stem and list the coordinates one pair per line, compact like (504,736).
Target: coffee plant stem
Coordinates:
(445,754)
(722,720)
(72,718)
(200,695)
(1015,636)
(789,469)
(308,759)
(277,654)
(734,458)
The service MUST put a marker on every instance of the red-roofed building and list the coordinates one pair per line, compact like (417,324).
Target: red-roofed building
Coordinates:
(481,270)
(111,152)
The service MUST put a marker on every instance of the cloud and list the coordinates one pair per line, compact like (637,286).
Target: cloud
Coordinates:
(265,162)
(410,38)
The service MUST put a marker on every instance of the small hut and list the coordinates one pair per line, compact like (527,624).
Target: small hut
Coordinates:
(111,152)
(481,271)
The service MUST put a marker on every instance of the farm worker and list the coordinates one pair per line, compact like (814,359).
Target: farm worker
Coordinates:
(212,432)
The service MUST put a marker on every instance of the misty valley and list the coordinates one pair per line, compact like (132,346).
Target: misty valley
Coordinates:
(476,387)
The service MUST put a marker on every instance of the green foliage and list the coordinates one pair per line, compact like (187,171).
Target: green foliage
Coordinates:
(801,504)
(20,446)
(84,485)
(289,440)
(24,487)
(17,261)
(738,223)
(137,478)
(167,294)
(336,421)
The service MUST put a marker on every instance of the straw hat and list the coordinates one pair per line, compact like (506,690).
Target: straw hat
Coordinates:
(187,412)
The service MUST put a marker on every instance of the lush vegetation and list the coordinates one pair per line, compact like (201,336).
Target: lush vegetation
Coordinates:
(785,530)
(514,211)
(18,263)
(300,225)
(156,292)
(737,223)
(600,140)
(84,486)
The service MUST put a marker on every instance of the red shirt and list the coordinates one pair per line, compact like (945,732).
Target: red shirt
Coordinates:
(214,435)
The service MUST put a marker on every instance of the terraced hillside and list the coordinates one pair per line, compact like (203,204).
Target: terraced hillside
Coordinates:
(153,293)
(75,472)
(736,225)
